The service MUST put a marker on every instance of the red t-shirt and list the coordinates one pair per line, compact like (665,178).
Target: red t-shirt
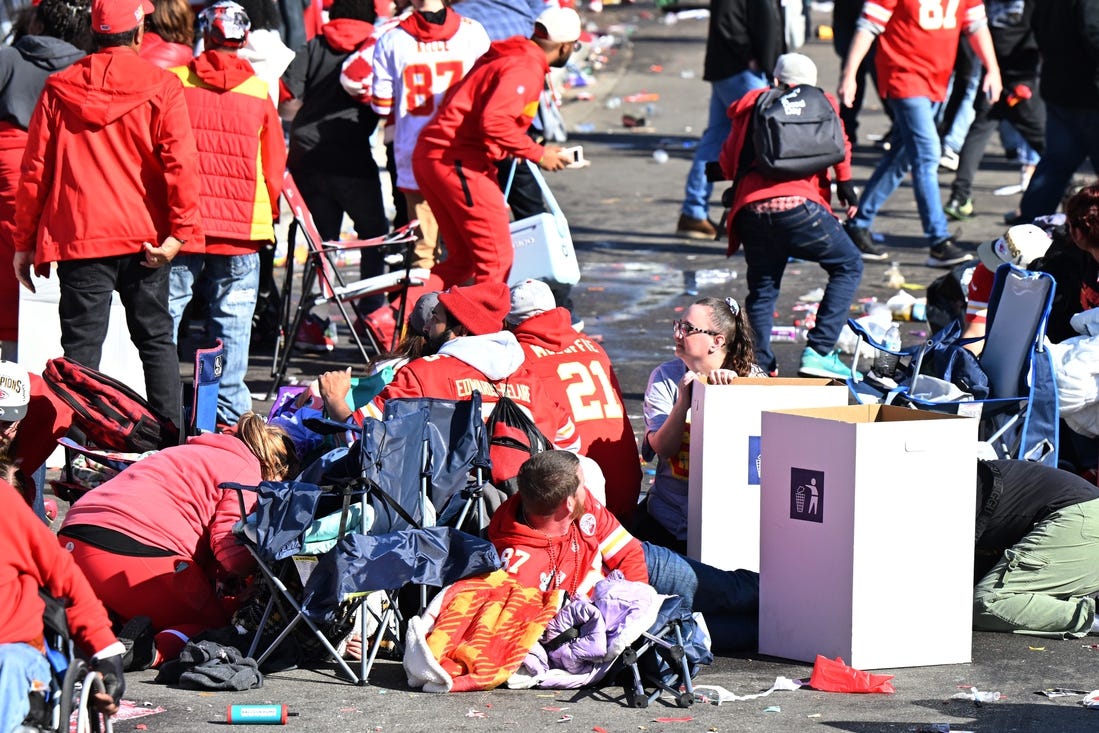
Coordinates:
(919,43)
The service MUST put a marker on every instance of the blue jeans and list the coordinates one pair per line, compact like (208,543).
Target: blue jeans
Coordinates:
(696,200)
(229,283)
(1071,136)
(963,118)
(729,599)
(807,232)
(20,666)
(915,147)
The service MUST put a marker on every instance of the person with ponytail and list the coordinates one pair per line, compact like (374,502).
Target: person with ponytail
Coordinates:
(713,342)
(156,541)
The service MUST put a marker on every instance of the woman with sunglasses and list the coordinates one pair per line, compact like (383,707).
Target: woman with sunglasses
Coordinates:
(713,342)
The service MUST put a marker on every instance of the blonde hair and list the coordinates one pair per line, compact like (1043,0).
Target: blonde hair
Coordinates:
(270,445)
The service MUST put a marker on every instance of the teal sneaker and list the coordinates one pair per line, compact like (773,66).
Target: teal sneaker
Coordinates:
(829,367)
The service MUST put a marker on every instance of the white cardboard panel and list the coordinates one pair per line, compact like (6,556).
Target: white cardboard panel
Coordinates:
(723,488)
(880,571)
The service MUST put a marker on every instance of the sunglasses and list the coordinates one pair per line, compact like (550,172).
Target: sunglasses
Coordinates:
(682,329)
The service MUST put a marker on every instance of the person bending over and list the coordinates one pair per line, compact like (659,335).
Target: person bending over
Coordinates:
(157,539)
(553,535)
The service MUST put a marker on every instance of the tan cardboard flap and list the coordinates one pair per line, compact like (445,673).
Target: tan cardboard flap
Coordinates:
(870,414)
(778,382)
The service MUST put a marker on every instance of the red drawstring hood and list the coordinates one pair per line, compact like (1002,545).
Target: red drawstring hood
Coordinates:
(346,34)
(221,70)
(419,28)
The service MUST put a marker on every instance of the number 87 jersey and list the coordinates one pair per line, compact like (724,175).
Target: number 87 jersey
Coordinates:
(414,66)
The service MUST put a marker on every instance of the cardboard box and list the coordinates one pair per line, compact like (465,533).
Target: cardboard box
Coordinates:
(866,536)
(723,484)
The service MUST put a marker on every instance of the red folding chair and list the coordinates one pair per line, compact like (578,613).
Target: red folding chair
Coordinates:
(320,268)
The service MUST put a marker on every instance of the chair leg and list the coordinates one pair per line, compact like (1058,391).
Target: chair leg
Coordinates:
(279,366)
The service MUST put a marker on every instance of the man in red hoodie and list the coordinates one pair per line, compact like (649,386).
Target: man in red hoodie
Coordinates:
(242,158)
(577,373)
(110,190)
(481,121)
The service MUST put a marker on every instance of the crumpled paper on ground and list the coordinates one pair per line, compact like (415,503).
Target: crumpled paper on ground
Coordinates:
(719,694)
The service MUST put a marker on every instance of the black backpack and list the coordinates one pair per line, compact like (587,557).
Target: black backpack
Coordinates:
(110,414)
(795,132)
(513,438)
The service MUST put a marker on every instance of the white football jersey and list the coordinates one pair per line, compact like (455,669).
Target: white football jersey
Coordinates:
(411,77)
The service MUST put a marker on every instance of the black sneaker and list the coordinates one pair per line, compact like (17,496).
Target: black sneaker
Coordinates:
(947,254)
(138,637)
(864,240)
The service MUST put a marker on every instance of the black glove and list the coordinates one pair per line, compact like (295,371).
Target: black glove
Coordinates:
(845,191)
(113,680)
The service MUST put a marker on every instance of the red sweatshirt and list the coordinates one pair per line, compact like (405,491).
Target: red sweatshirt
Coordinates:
(577,373)
(485,116)
(171,500)
(754,186)
(31,558)
(602,545)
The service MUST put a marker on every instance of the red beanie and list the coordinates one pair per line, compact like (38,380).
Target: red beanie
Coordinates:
(481,308)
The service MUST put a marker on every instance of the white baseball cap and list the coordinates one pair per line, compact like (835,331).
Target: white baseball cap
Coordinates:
(15,391)
(1020,245)
(559,25)
(530,298)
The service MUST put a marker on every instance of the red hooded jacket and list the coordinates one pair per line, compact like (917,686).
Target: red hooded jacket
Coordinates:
(242,155)
(577,373)
(110,163)
(486,115)
(755,187)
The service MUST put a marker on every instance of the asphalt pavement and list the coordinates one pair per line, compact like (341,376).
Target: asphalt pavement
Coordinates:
(636,277)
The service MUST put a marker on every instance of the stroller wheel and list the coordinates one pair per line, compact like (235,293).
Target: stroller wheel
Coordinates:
(634,700)
(684,699)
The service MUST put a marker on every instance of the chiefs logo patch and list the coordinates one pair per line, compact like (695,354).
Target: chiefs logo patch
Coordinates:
(587,524)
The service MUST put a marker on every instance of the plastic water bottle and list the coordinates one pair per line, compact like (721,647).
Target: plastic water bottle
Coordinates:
(885,363)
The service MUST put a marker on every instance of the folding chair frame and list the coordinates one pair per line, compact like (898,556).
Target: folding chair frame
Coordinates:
(1002,410)
(279,594)
(320,268)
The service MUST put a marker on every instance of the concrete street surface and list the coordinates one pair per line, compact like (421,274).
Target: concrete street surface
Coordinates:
(623,210)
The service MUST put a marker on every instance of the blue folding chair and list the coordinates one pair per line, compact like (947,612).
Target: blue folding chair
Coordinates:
(1019,415)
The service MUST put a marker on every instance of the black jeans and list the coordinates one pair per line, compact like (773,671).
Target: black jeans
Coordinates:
(1028,116)
(85,306)
(329,196)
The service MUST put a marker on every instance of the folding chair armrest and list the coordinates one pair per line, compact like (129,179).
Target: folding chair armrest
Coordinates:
(373,285)
(410,232)
(111,459)
(328,426)
(240,489)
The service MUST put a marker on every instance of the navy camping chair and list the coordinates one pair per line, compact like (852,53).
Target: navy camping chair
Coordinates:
(456,460)
(1011,387)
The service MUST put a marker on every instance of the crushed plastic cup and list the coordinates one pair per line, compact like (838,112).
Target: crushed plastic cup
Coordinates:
(660,156)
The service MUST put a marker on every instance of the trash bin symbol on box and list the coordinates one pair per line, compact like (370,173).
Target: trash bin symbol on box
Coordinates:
(806,495)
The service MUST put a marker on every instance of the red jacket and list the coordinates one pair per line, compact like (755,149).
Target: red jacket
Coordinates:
(31,558)
(164,54)
(754,186)
(48,418)
(602,545)
(110,163)
(171,500)
(577,373)
(485,116)
(242,156)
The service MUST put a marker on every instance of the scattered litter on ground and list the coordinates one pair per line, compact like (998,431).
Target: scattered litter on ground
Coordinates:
(1060,692)
(772,709)
(977,696)
(660,156)
(1092,700)
(474,713)
(1037,648)
(685,719)
(813,296)
(641,97)
(719,694)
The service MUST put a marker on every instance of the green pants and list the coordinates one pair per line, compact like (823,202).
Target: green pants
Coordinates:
(1040,586)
